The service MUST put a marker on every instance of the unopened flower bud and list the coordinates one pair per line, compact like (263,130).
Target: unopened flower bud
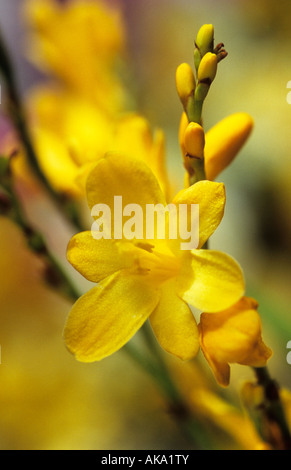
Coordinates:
(185,82)
(194,140)
(204,40)
(233,336)
(207,68)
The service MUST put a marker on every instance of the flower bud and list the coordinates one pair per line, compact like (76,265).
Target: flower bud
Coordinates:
(185,82)
(204,39)
(233,336)
(194,140)
(207,68)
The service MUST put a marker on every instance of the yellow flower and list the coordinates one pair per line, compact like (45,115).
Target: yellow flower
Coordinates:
(143,278)
(79,42)
(70,134)
(233,336)
(222,142)
(76,121)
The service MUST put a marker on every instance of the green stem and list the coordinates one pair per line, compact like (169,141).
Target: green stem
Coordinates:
(194,111)
(198,171)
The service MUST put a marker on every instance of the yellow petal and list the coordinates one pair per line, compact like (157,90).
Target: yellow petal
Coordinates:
(96,27)
(55,162)
(210,197)
(96,259)
(210,280)
(174,324)
(157,161)
(87,130)
(106,317)
(133,137)
(119,181)
(233,336)
(224,140)
(123,176)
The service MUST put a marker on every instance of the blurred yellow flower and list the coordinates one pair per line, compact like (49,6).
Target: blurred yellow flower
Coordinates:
(77,118)
(79,43)
(70,134)
(147,278)
(233,336)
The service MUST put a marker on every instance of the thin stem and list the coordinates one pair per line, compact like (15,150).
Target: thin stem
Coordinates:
(195,111)
(273,410)
(199,171)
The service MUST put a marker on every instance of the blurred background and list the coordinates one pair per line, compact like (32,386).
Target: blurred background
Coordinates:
(48,400)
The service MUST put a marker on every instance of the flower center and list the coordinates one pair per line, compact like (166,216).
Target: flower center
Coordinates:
(156,261)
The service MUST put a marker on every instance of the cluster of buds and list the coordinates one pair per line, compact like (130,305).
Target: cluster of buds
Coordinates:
(205,156)
(192,92)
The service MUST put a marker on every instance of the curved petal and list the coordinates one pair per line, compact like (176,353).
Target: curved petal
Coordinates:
(96,259)
(210,280)
(135,138)
(106,317)
(210,197)
(223,142)
(174,324)
(120,175)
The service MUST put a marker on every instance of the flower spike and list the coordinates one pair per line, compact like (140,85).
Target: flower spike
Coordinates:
(203,43)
